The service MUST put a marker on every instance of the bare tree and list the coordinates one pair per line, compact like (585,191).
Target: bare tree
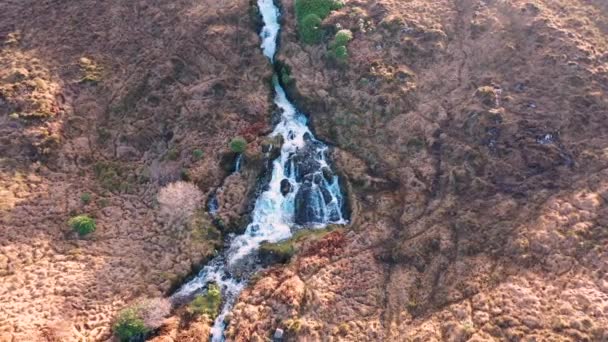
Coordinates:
(178,202)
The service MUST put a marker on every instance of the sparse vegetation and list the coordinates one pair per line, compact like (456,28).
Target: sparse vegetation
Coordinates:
(90,70)
(112,176)
(208,303)
(173,154)
(197,154)
(283,251)
(293,325)
(178,202)
(238,145)
(82,224)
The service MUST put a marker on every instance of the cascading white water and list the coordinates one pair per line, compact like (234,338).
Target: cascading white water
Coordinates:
(302,192)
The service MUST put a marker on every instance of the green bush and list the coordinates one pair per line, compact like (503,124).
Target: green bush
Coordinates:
(310,29)
(338,50)
(208,303)
(129,326)
(238,145)
(342,37)
(310,14)
(82,224)
(321,8)
(340,54)
(85,198)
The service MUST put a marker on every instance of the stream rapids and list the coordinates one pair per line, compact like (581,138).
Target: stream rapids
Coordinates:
(303,192)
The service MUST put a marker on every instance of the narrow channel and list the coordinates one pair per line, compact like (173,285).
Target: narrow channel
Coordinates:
(303,193)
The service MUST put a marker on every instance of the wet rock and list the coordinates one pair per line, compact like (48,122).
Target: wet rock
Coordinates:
(309,206)
(285,187)
(278,335)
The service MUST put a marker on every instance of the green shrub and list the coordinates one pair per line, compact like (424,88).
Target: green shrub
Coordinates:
(342,37)
(197,154)
(208,303)
(238,145)
(310,29)
(340,54)
(85,198)
(320,8)
(310,14)
(82,224)
(338,50)
(129,326)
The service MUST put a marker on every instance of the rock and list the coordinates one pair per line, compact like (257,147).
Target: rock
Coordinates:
(278,335)
(285,187)
(309,205)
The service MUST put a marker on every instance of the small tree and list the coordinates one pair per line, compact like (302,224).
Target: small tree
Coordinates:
(178,202)
(310,29)
(238,145)
(82,224)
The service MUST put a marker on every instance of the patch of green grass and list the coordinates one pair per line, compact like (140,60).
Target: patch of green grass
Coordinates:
(208,303)
(129,326)
(238,145)
(82,224)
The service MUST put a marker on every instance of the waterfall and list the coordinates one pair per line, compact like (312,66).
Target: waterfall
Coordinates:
(303,192)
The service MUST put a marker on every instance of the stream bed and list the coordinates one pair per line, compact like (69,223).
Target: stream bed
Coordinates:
(303,193)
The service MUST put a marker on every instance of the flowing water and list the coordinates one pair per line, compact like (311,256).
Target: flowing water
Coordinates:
(303,192)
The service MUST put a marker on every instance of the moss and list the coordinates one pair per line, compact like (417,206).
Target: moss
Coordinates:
(207,304)
(279,252)
(130,326)
(82,224)
(238,145)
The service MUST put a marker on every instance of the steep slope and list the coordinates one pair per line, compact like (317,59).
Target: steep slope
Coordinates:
(473,136)
(101,104)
